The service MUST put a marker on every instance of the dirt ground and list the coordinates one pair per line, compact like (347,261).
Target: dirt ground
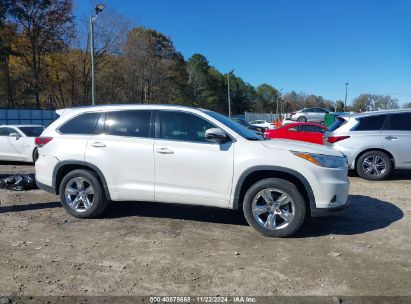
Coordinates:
(162,249)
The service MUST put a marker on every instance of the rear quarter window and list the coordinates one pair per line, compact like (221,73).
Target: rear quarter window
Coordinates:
(370,123)
(81,124)
(339,122)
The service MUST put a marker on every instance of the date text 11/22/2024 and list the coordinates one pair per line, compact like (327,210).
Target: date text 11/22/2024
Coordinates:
(203,299)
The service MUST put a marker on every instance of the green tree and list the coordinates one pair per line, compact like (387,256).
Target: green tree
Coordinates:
(202,82)
(407,105)
(266,98)
(339,106)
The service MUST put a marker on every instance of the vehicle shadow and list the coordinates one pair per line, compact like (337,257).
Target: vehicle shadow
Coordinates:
(15,163)
(365,214)
(174,211)
(394,176)
(29,207)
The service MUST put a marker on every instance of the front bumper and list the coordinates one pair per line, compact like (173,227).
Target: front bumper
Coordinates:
(330,190)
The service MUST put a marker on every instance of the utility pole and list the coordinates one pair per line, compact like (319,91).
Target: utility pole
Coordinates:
(228,93)
(99,8)
(345,100)
(279,97)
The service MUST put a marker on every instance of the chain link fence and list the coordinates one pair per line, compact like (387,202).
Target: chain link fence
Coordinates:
(270,117)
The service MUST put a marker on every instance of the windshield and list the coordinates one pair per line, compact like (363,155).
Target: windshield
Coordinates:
(236,127)
(32,131)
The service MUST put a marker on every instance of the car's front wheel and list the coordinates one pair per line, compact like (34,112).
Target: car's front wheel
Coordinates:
(274,207)
(374,165)
(82,195)
(302,119)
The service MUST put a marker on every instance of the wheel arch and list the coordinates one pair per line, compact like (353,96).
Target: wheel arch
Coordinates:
(65,167)
(254,174)
(374,149)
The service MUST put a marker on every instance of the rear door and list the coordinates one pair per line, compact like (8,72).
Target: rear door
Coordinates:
(122,149)
(396,138)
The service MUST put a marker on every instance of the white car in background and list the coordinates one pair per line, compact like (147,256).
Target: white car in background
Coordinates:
(262,124)
(17,142)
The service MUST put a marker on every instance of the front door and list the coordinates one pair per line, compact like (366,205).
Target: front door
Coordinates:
(11,148)
(188,168)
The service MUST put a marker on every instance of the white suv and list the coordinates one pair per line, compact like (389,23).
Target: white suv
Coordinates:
(175,154)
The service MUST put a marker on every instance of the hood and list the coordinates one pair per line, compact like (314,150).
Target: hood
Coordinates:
(299,146)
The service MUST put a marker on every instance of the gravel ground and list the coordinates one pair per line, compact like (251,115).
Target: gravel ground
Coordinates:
(163,249)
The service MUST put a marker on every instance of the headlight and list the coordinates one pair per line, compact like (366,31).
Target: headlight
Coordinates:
(322,160)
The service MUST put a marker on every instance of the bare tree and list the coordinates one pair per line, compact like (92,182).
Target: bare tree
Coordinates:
(44,27)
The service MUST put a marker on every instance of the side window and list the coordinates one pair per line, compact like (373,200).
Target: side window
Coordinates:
(370,123)
(7,131)
(311,129)
(294,129)
(134,123)
(183,126)
(400,122)
(81,124)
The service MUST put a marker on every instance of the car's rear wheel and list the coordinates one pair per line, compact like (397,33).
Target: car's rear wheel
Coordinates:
(274,207)
(35,155)
(374,165)
(82,195)
(302,119)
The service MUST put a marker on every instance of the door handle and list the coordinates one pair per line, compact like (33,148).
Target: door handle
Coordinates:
(391,137)
(98,144)
(164,151)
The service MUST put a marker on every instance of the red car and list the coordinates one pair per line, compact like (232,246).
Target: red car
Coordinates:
(304,131)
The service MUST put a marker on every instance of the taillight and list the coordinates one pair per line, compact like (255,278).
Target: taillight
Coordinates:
(334,139)
(292,114)
(41,141)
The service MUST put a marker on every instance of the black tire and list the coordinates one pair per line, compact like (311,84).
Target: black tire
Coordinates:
(288,188)
(100,202)
(35,155)
(302,119)
(361,165)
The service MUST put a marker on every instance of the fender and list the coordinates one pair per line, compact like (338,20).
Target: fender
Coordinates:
(84,164)
(295,174)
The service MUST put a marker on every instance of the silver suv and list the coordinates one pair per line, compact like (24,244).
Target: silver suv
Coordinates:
(310,114)
(374,142)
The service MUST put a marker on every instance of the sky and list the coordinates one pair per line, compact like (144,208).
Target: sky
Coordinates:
(310,46)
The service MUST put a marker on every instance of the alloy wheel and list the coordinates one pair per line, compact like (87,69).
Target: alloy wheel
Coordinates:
(79,194)
(273,209)
(374,165)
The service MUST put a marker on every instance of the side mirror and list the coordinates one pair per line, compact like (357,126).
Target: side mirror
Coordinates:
(15,135)
(216,135)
